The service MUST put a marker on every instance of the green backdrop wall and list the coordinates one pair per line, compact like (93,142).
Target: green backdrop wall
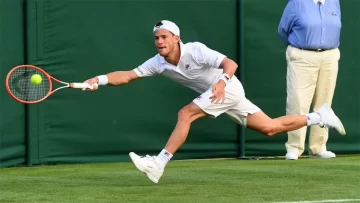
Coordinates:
(12,114)
(77,39)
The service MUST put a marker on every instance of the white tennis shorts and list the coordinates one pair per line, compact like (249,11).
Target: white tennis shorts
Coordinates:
(235,105)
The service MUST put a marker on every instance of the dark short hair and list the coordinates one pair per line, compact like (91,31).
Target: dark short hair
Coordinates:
(158,24)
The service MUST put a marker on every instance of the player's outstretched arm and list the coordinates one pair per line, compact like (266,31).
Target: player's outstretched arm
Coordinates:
(113,79)
(117,78)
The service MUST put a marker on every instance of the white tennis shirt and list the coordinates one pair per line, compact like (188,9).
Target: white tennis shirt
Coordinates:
(197,69)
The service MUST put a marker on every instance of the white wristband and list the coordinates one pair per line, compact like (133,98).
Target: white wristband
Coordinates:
(103,79)
(225,77)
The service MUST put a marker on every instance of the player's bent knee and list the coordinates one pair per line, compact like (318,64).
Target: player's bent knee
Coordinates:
(184,116)
(269,131)
(190,113)
(270,128)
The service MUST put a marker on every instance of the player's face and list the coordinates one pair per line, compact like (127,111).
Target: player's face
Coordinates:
(165,41)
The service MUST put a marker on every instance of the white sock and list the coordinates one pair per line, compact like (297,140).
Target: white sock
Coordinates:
(313,118)
(164,157)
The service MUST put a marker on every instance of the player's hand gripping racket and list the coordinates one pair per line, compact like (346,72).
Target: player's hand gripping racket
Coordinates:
(29,84)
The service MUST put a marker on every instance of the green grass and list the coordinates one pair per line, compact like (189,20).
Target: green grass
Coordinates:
(187,181)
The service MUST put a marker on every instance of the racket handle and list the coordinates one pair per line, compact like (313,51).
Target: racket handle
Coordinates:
(81,85)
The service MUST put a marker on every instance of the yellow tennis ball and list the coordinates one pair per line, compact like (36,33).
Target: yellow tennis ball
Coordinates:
(36,79)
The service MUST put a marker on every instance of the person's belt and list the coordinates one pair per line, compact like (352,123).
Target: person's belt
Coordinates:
(316,50)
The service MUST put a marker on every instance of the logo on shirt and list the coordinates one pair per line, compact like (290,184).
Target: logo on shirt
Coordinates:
(187,66)
(333,13)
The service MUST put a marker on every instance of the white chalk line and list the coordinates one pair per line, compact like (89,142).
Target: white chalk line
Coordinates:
(324,201)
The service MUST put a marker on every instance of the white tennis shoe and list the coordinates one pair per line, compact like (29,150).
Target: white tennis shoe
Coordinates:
(148,165)
(330,120)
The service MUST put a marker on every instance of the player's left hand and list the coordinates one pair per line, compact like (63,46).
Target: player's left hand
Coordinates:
(218,90)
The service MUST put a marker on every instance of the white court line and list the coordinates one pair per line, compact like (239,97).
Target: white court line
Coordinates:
(324,201)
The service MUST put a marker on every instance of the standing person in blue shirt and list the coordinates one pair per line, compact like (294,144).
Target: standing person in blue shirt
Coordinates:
(311,31)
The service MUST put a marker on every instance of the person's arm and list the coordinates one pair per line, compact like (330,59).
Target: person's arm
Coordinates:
(215,59)
(287,21)
(116,78)
(339,8)
(229,68)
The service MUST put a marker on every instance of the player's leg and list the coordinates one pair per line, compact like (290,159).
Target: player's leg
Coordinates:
(153,166)
(262,123)
(324,94)
(186,116)
(324,117)
(250,116)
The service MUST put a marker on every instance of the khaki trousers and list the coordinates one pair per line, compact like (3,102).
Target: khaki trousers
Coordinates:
(311,80)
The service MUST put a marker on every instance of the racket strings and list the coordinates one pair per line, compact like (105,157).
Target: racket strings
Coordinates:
(21,87)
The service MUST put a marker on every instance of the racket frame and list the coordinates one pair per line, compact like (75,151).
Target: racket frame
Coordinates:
(50,79)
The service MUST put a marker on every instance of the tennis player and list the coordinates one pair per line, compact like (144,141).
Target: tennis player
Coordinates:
(211,74)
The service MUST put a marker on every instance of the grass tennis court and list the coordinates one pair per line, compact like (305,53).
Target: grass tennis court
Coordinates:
(188,181)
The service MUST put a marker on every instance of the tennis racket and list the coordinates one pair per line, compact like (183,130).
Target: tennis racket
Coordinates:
(19,86)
